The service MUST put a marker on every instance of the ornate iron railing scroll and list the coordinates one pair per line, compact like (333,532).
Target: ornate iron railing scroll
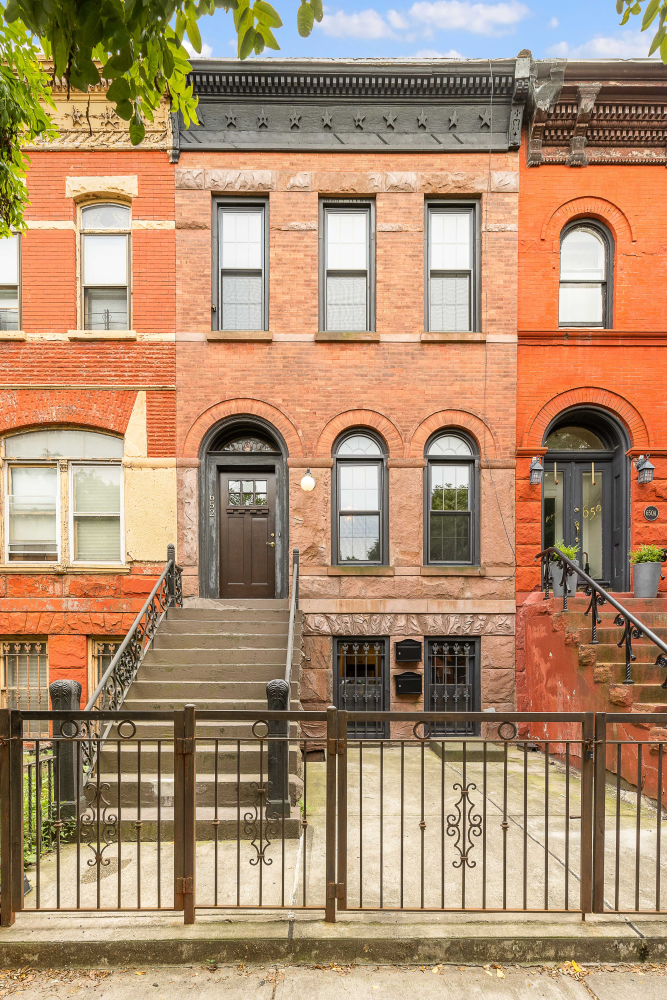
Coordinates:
(113,687)
(553,560)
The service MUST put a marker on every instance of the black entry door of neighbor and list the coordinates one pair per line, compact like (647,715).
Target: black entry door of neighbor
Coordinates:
(247,533)
(583,506)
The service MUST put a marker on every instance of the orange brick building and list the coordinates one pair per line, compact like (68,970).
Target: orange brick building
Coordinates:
(346,304)
(87,407)
(589,394)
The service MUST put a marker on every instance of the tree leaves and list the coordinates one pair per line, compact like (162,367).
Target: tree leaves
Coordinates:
(304,19)
(653,9)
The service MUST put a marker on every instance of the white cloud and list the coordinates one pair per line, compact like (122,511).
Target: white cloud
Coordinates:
(397,20)
(627,45)
(553,23)
(206,50)
(434,54)
(461,15)
(364,24)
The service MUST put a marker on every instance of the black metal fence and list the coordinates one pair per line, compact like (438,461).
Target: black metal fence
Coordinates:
(188,811)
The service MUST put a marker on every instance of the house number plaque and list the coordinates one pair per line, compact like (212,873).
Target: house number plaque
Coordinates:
(651,513)
(211,505)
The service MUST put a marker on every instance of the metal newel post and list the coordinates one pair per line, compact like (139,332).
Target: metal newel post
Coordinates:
(599,811)
(330,860)
(278,801)
(6,910)
(66,697)
(171,576)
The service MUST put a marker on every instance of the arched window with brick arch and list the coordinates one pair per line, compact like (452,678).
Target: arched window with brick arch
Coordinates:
(586,269)
(360,522)
(451,495)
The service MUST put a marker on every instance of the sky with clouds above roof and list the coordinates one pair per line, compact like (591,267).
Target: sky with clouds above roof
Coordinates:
(446,29)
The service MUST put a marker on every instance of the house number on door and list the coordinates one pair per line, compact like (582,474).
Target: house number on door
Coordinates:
(211,505)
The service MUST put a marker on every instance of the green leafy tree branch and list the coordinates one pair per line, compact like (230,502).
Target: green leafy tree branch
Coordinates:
(136,44)
(652,10)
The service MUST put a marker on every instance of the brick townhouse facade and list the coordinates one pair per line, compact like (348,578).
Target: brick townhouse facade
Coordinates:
(87,408)
(346,261)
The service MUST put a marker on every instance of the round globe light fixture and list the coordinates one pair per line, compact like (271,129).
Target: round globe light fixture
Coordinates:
(308,483)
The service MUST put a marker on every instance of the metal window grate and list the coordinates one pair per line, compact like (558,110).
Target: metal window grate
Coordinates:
(103,652)
(452,682)
(361,682)
(24,679)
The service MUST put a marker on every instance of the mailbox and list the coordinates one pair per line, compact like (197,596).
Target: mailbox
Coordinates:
(408,682)
(408,651)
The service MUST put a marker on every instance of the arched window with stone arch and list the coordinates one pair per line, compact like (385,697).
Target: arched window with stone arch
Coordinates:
(359,503)
(586,267)
(451,516)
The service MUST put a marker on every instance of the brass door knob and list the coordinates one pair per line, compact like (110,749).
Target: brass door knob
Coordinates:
(272,544)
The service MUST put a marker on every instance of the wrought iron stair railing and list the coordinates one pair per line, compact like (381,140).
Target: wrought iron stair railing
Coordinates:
(552,560)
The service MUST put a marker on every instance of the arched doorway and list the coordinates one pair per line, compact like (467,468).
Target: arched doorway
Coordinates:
(243,505)
(585,495)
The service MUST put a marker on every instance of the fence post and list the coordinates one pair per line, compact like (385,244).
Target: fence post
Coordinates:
(171,575)
(587,771)
(330,863)
(599,811)
(6,910)
(66,697)
(278,801)
(179,765)
(189,816)
(341,870)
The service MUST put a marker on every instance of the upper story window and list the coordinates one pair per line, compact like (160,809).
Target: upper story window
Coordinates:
(451,268)
(10,282)
(359,500)
(346,266)
(105,266)
(242,259)
(92,490)
(586,252)
(451,500)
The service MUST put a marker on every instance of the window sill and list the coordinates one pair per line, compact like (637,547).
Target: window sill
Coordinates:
(360,571)
(453,571)
(452,338)
(346,337)
(102,334)
(12,335)
(56,569)
(263,335)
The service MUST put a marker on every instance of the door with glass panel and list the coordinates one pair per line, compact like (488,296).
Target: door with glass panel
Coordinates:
(247,533)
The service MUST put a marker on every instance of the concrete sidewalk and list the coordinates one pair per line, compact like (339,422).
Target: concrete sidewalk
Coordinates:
(317,983)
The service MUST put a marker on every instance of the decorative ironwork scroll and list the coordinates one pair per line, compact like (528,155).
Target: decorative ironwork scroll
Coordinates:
(99,827)
(464,824)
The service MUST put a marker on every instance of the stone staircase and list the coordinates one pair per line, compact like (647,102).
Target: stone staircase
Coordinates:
(217,655)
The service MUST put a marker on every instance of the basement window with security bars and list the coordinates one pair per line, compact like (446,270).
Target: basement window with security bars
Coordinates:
(452,682)
(24,678)
(101,653)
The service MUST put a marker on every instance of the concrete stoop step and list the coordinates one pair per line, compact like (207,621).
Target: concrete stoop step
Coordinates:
(217,655)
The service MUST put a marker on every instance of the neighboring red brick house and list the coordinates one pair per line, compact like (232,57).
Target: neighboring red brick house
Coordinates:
(590,398)
(346,303)
(87,408)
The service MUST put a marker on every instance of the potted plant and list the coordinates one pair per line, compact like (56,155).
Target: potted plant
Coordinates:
(646,564)
(570,551)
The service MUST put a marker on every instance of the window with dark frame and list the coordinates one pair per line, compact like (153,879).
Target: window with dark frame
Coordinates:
(347,267)
(360,682)
(452,682)
(105,266)
(451,268)
(450,500)
(10,282)
(586,257)
(359,500)
(242,266)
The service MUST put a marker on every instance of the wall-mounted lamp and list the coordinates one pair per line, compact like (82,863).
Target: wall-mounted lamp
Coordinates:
(645,469)
(308,483)
(536,471)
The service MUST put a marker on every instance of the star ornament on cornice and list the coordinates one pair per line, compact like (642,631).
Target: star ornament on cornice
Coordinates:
(421,120)
(294,120)
(486,119)
(231,120)
(390,118)
(359,120)
(263,119)
(453,119)
(327,119)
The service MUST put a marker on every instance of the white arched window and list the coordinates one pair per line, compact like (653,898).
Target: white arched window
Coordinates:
(105,266)
(451,500)
(585,276)
(93,492)
(359,502)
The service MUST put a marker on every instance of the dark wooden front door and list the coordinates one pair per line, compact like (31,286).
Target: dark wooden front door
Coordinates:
(247,533)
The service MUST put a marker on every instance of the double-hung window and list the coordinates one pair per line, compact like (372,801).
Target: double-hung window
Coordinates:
(451,500)
(81,469)
(451,265)
(359,500)
(242,258)
(10,281)
(347,264)
(105,267)
(586,253)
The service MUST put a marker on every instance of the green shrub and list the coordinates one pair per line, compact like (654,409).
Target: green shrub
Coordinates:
(647,553)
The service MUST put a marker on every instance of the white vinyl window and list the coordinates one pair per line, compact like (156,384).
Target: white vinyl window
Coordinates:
(450,269)
(105,267)
(96,513)
(32,513)
(10,281)
(347,268)
(241,249)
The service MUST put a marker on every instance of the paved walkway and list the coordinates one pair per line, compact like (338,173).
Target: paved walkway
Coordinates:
(493,982)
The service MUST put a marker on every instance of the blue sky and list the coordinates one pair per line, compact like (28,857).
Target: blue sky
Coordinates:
(449,28)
